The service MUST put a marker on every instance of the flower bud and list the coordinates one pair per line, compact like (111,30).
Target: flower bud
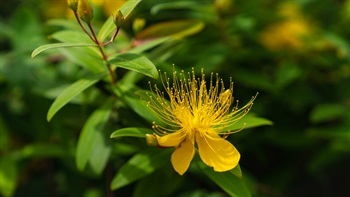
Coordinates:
(151,140)
(73,4)
(118,19)
(85,11)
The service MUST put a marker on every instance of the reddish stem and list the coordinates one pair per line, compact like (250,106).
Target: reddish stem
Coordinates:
(82,26)
(112,39)
(104,57)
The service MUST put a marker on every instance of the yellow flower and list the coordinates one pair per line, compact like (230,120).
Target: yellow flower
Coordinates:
(198,114)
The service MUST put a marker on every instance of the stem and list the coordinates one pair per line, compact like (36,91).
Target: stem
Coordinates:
(113,38)
(104,57)
(115,34)
(82,26)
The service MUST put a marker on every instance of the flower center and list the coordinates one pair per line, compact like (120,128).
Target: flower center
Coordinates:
(196,122)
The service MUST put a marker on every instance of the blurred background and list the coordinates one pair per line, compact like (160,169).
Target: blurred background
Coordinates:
(296,54)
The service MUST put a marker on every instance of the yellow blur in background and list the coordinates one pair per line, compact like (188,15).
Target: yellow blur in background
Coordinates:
(289,33)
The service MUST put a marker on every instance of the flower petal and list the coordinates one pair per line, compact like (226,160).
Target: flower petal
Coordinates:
(182,157)
(172,139)
(217,152)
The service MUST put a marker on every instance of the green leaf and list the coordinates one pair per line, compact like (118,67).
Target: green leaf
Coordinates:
(237,171)
(128,7)
(338,41)
(70,92)
(106,29)
(140,165)
(87,57)
(327,112)
(122,148)
(143,46)
(109,25)
(131,132)
(131,78)
(228,181)
(134,101)
(175,5)
(42,150)
(135,62)
(71,36)
(57,45)
(248,121)
(100,153)
(89,136)
(64,23)
(147,187)
(8,176)
(176,29)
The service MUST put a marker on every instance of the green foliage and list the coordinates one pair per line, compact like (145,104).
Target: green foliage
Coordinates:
(147,187)
(8,176)
(135,63)
(327,112)
(109,26)
(248,121)
(139,166)
(57,45)
(91,145)
(294,53)
(228,181)
(131,132)
(72,91)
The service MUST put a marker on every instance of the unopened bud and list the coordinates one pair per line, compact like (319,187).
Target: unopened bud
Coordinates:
(73,4)
(151,140)
(138,24)
(85,11)
(118,19)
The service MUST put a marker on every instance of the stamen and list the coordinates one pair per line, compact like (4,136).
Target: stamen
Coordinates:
(190,100)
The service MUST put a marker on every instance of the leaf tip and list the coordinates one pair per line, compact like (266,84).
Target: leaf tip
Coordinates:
(48,118)
(155,75)
(49,115)
(33,55)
